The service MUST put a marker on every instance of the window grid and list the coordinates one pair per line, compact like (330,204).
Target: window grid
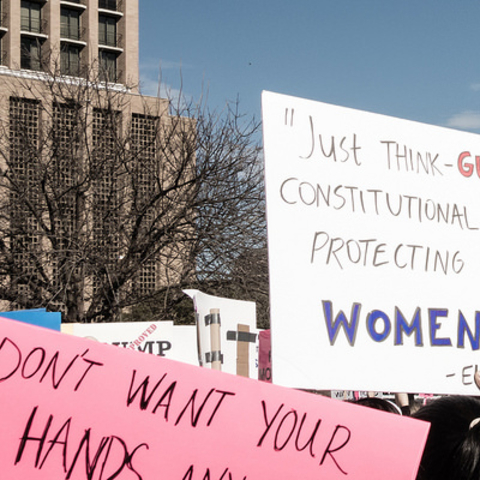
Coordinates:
(105,217)
(144,184)
(24,134)
(66,143)
(64,168)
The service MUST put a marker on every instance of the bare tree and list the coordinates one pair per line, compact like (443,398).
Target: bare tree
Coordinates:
(111,203)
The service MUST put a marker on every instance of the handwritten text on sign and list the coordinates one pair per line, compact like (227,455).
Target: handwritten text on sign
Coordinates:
(76,409)
(374,224)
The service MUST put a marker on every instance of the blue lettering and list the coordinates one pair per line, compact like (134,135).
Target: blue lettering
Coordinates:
(464,328)
(433,314)
(372,319)
(349,327)
(401,325)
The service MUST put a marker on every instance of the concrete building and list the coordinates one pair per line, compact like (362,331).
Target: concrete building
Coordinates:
(76,34)
(70,68)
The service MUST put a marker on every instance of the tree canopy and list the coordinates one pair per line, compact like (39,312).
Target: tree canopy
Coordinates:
(112,203)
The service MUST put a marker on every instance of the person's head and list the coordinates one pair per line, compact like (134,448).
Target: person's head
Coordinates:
(378,404)
(452,451)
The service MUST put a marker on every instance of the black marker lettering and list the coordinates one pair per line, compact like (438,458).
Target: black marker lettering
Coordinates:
(26,438)
(267,423)
(330,451)
(311,440)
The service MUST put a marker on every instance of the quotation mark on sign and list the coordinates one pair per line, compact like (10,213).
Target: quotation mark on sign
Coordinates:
(289,116)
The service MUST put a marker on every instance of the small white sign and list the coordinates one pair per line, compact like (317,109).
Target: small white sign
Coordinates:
(176,342)
(373,227)
(231,314)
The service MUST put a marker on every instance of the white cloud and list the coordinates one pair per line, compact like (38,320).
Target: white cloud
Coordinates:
(475,87)
(468,120)
(152,79)
(149,86)
(158,66)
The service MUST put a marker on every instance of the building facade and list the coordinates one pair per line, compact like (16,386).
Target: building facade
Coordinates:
(73,36)
(82,170)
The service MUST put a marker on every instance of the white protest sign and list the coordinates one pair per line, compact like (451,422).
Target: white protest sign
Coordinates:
(231,314)
(373,226)
(176,342)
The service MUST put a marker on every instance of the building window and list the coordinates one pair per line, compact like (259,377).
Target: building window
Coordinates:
(3,15)
(70,23)
(70,60)
(107,31)
(108,4)
(3,51)
(31,54)
(31,17)
(108,66)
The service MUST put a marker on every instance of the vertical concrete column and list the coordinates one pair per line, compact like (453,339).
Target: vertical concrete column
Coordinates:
(13,44)
(90,23)
(129,30)
(51,13)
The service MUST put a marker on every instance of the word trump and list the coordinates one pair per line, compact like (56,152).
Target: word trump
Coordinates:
(380,327)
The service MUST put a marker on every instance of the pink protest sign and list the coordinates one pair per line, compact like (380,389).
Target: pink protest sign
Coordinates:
(72,408)
(265,356)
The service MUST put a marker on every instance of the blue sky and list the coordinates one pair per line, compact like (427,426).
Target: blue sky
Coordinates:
(413,59)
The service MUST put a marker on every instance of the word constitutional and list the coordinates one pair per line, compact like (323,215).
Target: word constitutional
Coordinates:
(374,201)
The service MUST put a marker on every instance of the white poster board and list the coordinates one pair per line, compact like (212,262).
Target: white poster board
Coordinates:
(164,339)
(232,313)
(374,250)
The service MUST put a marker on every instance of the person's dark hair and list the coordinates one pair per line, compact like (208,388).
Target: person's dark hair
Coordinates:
(452,451)
(378,403)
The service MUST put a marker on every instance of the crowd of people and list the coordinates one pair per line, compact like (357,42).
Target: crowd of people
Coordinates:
(452,451)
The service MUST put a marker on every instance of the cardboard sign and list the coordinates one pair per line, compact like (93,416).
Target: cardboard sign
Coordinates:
(227,333)
(373,227)
(176,342)
(72,408)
